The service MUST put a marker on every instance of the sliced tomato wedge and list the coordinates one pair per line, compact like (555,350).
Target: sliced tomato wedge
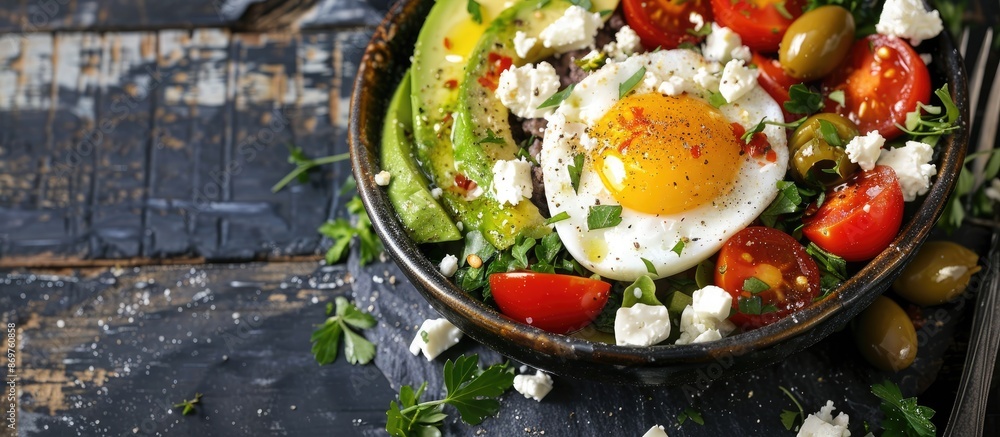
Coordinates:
(860,218)
(760,23)
(768,273)
(774,80)
(552,302)
(882,78)
(665,23)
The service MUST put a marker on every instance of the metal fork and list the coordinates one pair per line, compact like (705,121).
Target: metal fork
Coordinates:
(969,410)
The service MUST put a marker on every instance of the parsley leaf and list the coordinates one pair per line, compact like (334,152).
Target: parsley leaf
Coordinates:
(755,306)
(304,164)
(829,133)
(801,100)
(558,97)
(679,247)
(705,30)
(790,417)
(631,82)
(557,218)
(643,291)
(491,138)
(473,391)
(604,216)
(342,232)
(754,285)
(575,170)
(188,405)
(326,339)
(903,417)
(788,201)
(832,269)
(690,413)
(716,99)
(780,6)
(649,266)
(591,63)
(474,11)
(929,123)
(838,96)
(586,4)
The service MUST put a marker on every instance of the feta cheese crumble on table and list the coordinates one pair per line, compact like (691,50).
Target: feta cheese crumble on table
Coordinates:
(511,181)
(912,165)
(533,386)
(433,337)
(656,431)
(864,150)
(908,19)
(823,424)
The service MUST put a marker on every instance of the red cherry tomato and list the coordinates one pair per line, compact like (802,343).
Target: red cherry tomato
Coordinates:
(774,80)
(774,258)
(760,23)
(883,78)
(859,218)
(552,302)
(665,23)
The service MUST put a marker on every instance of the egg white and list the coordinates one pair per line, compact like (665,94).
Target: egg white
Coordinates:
(618,252)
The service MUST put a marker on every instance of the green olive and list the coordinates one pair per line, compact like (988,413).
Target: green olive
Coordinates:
(939,272)
(816,42)
(811,153)
(885,335)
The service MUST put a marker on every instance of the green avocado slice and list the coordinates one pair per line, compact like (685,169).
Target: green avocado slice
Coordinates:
(425,220)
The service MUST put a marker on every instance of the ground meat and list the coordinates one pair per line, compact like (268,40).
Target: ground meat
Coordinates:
(534,126)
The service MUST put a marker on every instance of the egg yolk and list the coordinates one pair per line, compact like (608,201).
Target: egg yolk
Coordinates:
(665,154)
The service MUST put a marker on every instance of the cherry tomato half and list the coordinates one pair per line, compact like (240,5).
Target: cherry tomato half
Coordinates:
(760,23)
(774,80)
(760,255)
(665,23)
(548,301)
(859,218)
(883,78)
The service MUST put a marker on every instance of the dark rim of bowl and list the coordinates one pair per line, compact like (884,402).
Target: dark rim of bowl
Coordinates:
(377,77)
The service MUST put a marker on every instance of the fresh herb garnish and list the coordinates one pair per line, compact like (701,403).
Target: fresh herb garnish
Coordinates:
(679,247)
(341,231)
(758,128)
(491,138)
(303,164)
(575,170)
(473,391)
(903,417)
(790,417)
(604,216)
(801,100)
(544,255)
(557,218)
(605,12)
(188,405)
(928,122)
(326,338)
(643,291)
(591,63)
(753,285)
(705,30)
(558,97)
(829,133)
(838,96)
(631,82)
(716,99)
(475,11)
(755,306)
(586,4)
(780,7)
(649,266)
(690,413)
(832,269)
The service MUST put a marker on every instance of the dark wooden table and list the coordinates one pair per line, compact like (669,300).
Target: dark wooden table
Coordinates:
(145,259)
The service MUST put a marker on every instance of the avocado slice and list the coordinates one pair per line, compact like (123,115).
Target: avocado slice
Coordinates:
(424,219)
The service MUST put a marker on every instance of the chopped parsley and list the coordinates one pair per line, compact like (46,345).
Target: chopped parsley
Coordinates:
(929,122)
(649,266)
(789,418)
(475,11)
(838,96)
(575,170)
(491,138)
(829,133)
(716,99)
(755,306)
(326,338)
(586,4)
(471,390)
(591,63)
(679,247)
(557,218)
(631,82)
(604,216)
(801,100)
(304,164)
(188,405)
(558,97)
(903,417)
(341,231)
(780,7)
(832,269)
(753,285)
(690,413)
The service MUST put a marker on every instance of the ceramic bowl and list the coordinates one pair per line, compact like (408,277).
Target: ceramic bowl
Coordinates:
(387,58)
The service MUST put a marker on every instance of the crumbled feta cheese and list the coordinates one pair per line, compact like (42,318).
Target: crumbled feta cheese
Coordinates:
(642,325)
(511,181)
(649,83)
(436,192)
(823,424)
(741,52)
(449,265)
(706,79)
(719,44)
(673,86)
(656,430)
(993,191)
(574,30)
(865,149)
(522,89)
(909,19)
(737,80)
(912,165)
(533,386)
(705,319)
(382,178)
(523,44)
(698,21)
(433,337)
(626,43)
(927,58)
(808,151)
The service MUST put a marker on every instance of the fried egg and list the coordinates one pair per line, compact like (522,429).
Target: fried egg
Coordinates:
(675,163)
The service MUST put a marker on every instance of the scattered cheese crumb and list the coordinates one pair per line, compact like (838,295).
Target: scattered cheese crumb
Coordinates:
(908,19)
(433,337)
(927,58)
(705,319)
(436,192)
(533,386)
(912,165)
(511,181)
(706,79)
(449,265)
(823,424)
(656,431)
(382,178)
(523,44)
(641,325)
(698,21)
(574,30)
(523,89)
(720,44)
(673,86)
(626,43)
(864,150)
(737,80)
